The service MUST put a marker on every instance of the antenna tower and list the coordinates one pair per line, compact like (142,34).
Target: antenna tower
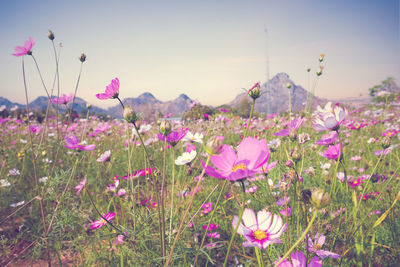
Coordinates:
(267,85)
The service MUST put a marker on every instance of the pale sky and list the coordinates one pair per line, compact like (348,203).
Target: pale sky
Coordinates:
(206,49)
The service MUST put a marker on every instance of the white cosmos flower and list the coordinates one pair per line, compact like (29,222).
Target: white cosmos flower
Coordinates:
(186,158)
(105,156)
(4,183)
(197,137)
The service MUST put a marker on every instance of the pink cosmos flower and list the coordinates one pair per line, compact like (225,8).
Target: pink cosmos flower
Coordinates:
(333,152)
(63,99)
(299,260)
(80,186)
(292,128)
(212,227)
(26,49)
(72,142)
(329,118)
(328,139)
(251,155)
(316,245)
(100,222)
(390,133)
(260,230)
(111,90)
(174,137)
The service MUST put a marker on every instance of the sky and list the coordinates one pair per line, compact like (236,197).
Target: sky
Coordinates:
(208,50)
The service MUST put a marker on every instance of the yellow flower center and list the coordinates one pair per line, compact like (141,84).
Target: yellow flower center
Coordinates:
(239,166)
(317,246)
(259,235)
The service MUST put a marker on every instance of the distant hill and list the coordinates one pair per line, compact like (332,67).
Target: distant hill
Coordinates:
(147,105)
(279,96)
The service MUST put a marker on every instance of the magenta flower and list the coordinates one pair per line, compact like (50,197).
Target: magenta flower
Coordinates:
(260,230)
(72,142)
(174,137)
(299,260)
(80,186)
(329,118)
(111,90)
(63,99)
(292,128)
(333,152)
(316,245)
(100,222)
(212,227)
(328,139)
(26,49)
(251,155)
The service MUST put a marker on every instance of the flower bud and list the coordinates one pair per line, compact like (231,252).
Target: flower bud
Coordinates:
(214,145)
(82,58)
(288,86)
(129,114)
(255,93)
(289,163)
(321,57)
(165,127)
(385,142)
(305,196)
(295,154)
(293,135)
(88,106)
(50,34)
(308,69)
(319,72)
(319,198)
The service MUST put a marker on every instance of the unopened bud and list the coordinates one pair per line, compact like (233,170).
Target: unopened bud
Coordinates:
(319,72)
(129,114)
(50,34)
(289,163)
(214,145)
(385,142)
(88,106)
(321,57)
(288,86)
(295,154)
(255,92)
(308,70)
(293,135)
(165,127)
(305,196)
(319,198)
(82,58)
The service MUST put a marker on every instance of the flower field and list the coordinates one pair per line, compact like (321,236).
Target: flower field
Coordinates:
(312,188)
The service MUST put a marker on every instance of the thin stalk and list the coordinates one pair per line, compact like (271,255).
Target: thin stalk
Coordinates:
(251,115)
(237,226)
(301,238)
(211,217)
(172,197)
(42,208)
(185,214)
(76,88)
(163,197)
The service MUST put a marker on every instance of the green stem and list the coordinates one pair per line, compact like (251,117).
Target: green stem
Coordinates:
(299,240)
(186,213)
(237,225)
(251,115)
(172,197)
(211,217)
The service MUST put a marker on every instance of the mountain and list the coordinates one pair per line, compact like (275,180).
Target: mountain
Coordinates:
(8,104)
(147,105)
(279,96)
